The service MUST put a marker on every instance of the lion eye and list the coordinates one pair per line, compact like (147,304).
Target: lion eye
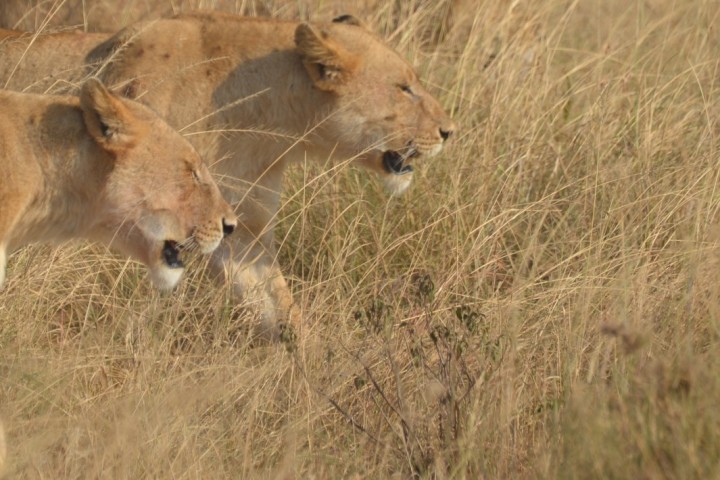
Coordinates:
(196,176)
(406,89)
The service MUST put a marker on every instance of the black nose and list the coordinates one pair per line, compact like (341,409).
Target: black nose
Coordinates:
(445,134)
(228,228)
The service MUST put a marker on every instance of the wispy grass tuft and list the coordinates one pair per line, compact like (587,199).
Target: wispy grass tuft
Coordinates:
(542,303)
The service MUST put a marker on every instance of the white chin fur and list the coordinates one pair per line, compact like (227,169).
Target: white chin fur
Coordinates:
(164,278)
(435,150)
(397,184)
(210,248)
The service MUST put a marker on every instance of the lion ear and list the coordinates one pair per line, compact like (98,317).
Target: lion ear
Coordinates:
(328,64)
(348,19)
(109,121)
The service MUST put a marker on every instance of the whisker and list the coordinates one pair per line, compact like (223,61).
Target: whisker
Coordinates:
(188,243)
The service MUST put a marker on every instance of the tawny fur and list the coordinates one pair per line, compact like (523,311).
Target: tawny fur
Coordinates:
(103,168)
(255,95)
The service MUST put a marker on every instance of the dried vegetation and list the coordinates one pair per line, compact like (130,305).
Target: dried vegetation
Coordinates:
(543,302)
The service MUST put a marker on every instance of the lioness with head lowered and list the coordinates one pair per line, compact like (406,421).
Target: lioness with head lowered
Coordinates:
(256,95)
(104,168)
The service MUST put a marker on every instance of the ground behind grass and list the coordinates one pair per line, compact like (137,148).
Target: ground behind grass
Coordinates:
(542,303)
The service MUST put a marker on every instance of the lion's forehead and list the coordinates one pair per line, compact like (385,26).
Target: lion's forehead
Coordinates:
(370,47)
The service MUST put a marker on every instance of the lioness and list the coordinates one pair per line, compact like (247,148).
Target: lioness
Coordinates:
(257,95)
(104,168)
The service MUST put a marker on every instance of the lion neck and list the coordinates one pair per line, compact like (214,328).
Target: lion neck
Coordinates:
(73,175)
(266,95)
(283,111)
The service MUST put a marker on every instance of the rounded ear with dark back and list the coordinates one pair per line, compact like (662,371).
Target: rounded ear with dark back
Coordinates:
(109,122)
(328,64)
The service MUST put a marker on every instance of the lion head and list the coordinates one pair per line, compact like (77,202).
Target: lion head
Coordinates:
(381,114)
(159,197)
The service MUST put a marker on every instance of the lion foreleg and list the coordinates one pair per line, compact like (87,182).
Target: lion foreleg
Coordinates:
(256,280)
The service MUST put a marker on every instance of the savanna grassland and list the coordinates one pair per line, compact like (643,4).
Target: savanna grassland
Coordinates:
(544,302)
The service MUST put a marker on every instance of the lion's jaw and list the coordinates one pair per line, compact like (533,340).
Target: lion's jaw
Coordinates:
(162,233)
(156,228)
(390,148)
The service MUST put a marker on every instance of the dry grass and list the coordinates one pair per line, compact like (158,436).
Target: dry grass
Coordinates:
(543,303)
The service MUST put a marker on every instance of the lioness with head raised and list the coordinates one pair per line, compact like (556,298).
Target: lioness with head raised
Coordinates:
(104,168)
(256,95)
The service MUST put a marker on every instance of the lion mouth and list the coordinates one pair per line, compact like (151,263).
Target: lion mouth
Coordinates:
(395,162)
(171,254)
